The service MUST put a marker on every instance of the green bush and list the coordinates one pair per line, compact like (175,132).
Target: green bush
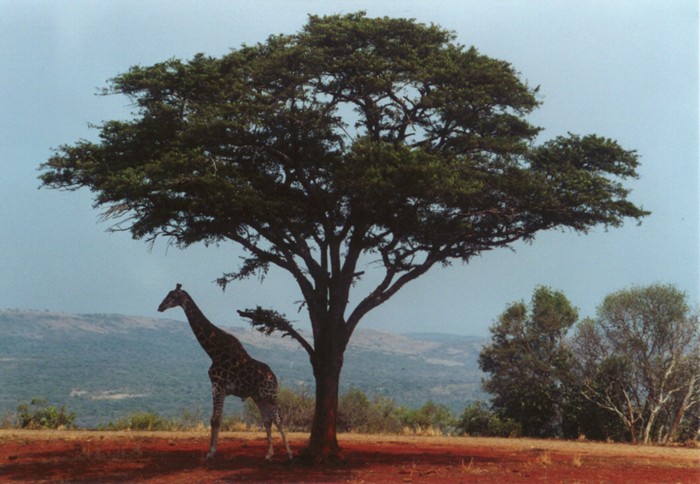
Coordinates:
(38,414)
(479,421)
(475,420)
(357,413)
(430,418)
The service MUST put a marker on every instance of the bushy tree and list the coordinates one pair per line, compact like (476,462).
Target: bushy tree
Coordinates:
(528,362)
(640,359)
(355,140)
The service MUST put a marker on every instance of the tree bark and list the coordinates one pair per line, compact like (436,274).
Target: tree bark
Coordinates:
(327,363)
(685,405)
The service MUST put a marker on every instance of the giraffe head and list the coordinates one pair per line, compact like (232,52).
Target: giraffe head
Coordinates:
(174,298)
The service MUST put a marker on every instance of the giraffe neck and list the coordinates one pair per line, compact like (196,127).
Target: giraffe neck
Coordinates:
(209,336)
(206,333)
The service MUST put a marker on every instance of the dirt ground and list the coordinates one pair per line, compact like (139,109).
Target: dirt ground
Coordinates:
(95,456)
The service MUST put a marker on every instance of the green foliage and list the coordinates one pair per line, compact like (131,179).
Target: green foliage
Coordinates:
(357,413)
(431,417)
(528,362)
(267,321)
(38,414)
(355,135)
(479,421)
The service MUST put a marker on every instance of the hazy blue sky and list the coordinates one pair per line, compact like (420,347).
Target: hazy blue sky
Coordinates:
(623,69)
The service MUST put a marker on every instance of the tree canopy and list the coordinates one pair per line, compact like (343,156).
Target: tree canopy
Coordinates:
(354,137)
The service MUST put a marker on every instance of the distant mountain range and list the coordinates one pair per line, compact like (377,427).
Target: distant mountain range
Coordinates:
(105,366)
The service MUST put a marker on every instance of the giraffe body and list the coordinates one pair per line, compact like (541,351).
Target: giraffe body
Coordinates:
(232,372)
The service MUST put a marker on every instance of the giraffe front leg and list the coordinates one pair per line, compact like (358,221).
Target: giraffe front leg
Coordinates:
(218,399)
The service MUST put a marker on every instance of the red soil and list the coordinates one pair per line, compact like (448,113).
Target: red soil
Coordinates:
(179,457)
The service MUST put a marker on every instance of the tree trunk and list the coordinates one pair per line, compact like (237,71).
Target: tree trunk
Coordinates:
(323,443)
(327,364)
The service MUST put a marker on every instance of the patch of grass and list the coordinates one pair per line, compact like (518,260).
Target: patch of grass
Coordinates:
(466,468)
(148,421)
(234,423)
(544,459)
(151,421)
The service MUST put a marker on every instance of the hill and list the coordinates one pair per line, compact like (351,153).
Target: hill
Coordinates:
(104,366)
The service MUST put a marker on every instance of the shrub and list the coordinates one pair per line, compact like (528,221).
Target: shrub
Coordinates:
(148,421)
(475,420)
(8,420)
(191,420)
(357,413)
(479,421)
(431,418)
(504,427)
(38,414)
(296,410)
(233,423)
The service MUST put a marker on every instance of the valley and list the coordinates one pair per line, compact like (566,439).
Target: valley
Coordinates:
(103,367)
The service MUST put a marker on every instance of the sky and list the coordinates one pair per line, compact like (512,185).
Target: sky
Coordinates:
(627,70)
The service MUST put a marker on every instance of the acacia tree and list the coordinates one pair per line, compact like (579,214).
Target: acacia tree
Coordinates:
(640,360)
(528,362)
(354,140)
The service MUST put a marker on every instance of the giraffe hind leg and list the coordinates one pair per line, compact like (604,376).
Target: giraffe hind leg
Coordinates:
(270,448)
(218,399)
(270,413)
(267,417)
(278,424)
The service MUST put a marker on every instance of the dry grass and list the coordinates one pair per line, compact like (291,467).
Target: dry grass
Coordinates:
(544,459)
(578,448)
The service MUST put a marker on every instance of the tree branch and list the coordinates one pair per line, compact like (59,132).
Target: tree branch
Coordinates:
(386,289)
(267,321)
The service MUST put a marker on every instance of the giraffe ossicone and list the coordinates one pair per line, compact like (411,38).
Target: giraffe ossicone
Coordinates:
(232,372)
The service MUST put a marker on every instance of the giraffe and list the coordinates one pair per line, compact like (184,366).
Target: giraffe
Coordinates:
(232,372)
